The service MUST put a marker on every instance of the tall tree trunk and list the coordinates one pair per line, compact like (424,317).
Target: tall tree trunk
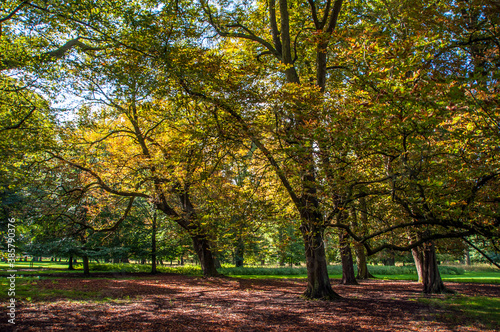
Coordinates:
(390,260)
(467,257)
(433,284)
(348,277)
(363,272)
(153,244)
(318,282)
(239,252)
(86,268)
(205,256)
(418,258)
(70,263)
(359,249)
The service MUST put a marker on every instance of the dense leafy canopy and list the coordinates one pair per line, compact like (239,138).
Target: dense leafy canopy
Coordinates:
(250,124)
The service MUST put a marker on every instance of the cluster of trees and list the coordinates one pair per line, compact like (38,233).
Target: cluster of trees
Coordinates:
(252,122)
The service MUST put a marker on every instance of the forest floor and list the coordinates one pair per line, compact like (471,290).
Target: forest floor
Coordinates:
(141,302)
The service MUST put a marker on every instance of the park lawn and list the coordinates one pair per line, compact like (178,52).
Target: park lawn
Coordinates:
(473,277)
(473,308)
(483,277)
(34,265)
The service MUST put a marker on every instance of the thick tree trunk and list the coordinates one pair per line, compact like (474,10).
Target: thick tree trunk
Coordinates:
(433,284)
(418,258)
(348,277)
(205,256)
(86,268)
(363,272)
(318,282)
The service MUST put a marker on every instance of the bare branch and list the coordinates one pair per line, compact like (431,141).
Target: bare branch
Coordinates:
(481,252)
(332,22)
(123,217)
(99,180)
(12,13)
(20,123)
(314,14)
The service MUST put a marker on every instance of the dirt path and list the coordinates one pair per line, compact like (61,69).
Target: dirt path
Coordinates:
(180,303)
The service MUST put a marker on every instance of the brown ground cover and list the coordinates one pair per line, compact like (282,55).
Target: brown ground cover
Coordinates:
(181,303)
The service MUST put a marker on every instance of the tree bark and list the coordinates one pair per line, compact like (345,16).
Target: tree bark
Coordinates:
(153,244)
(318,282)
(433,284)
(205,256)
(363,272)
(86,268)
(418,258)
(70,263)
(359,249)
(467,257)
(239,252)
(348,277)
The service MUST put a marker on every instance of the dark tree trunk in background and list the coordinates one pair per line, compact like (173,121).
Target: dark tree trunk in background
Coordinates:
(348,276)
(239,252)
(153,244)
(318,282)
(207,261)
(70,263)
(363,272)
(390,260)
(360,225)
(467,257)
(86,268)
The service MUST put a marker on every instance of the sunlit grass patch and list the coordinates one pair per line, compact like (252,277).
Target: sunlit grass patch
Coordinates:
(28,289)
(474,309)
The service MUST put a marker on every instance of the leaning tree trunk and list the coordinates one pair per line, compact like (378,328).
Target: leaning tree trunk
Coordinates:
(433,284)
(418,258)
(318,282)
(348,276)
(207,261)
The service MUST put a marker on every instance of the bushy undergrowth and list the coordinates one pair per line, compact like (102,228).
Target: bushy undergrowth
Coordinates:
(332,269)
(395,270)
(129,268)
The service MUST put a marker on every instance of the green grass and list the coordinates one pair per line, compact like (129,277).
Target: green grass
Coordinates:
(475,310)
(481,274)
(26,285)
(488,277)
(36,265)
